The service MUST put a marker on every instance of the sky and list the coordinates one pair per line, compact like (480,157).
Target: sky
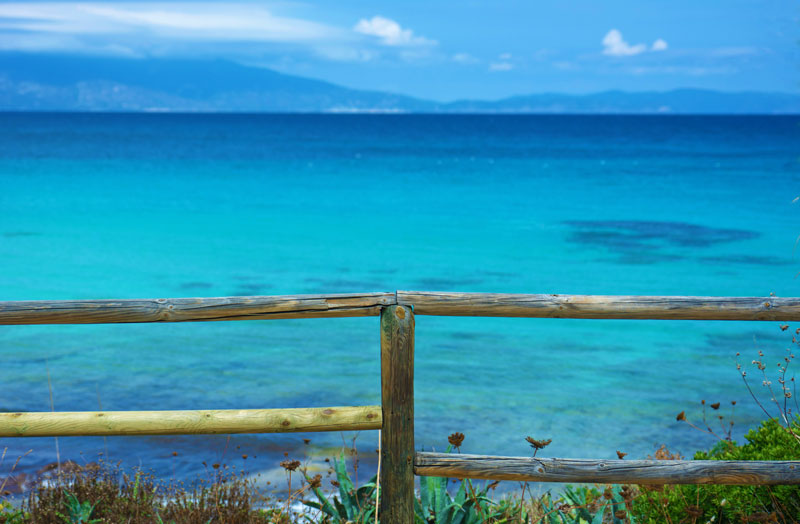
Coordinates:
(444,50)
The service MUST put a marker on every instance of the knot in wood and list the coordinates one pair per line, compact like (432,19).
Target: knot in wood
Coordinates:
(400,312)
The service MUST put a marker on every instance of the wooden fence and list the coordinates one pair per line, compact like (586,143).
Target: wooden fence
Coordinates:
(395,415)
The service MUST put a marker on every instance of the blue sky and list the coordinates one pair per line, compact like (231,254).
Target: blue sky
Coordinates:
(444,50)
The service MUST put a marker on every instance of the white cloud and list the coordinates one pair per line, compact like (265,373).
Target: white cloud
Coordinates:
(614,45)
(38,43)
(464,58)
(505,56)
(501,66)
(659,45)
(390,32)
(344,53)
(196,21)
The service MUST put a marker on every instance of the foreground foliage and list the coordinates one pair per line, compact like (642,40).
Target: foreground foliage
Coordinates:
(770,441)
(96,494)
(100,494)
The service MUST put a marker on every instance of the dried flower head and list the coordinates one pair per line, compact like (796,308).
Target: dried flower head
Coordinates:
(316,481)
(627,494)
(538,444)
(621,455)
(715,405)
(290,465)
(694,512)
(620,514)
(456,439)
(681,416)
(663,453)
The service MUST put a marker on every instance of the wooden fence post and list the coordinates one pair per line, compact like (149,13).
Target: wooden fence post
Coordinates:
(397,400)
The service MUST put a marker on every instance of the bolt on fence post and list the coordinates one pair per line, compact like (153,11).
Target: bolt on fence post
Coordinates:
(397,401)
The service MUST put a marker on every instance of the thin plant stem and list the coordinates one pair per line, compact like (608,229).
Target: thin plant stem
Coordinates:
(52,408)
(378,480)
(100,407)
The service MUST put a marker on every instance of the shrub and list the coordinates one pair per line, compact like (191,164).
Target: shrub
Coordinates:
(98,493)
(770,441)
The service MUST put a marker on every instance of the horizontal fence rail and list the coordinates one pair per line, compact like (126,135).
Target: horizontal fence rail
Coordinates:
(193,309)
(423,302)
(601,306)
(749,472)
(223,421)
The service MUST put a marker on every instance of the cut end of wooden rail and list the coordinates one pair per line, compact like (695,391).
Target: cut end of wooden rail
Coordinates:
(743,472)
(226,421)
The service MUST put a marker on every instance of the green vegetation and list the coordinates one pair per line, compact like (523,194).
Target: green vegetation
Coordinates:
(98,494)
(770,441)
(351,505)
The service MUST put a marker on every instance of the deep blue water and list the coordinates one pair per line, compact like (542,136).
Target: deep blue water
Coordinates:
(141,206)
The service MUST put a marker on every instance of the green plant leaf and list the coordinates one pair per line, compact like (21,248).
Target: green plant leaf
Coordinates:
(341,510)
(347,490)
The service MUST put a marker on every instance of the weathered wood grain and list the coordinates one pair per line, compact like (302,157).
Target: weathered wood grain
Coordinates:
(192,309)
(750,472)
(397,399)
(601,306)
(424,302)
(85,423)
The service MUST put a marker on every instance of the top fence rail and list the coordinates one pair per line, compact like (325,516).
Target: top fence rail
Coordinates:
(423,302)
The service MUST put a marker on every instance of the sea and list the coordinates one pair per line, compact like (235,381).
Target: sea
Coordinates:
(98,206)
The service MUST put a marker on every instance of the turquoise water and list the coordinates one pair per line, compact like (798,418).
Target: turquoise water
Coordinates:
(141,206)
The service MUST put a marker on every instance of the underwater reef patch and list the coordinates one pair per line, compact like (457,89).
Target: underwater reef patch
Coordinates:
(650,242)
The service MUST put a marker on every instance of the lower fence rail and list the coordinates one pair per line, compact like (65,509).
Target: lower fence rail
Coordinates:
(189,422)
(749,472)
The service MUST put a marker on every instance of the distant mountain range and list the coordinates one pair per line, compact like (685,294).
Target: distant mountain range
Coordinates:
(35,82)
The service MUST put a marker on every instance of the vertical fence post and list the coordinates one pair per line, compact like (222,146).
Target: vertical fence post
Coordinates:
(397,400)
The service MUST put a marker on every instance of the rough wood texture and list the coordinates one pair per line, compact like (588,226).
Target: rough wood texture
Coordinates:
(749,472)
(192,309)
(397,398)
(424,302)
(600,306)
(80,423)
